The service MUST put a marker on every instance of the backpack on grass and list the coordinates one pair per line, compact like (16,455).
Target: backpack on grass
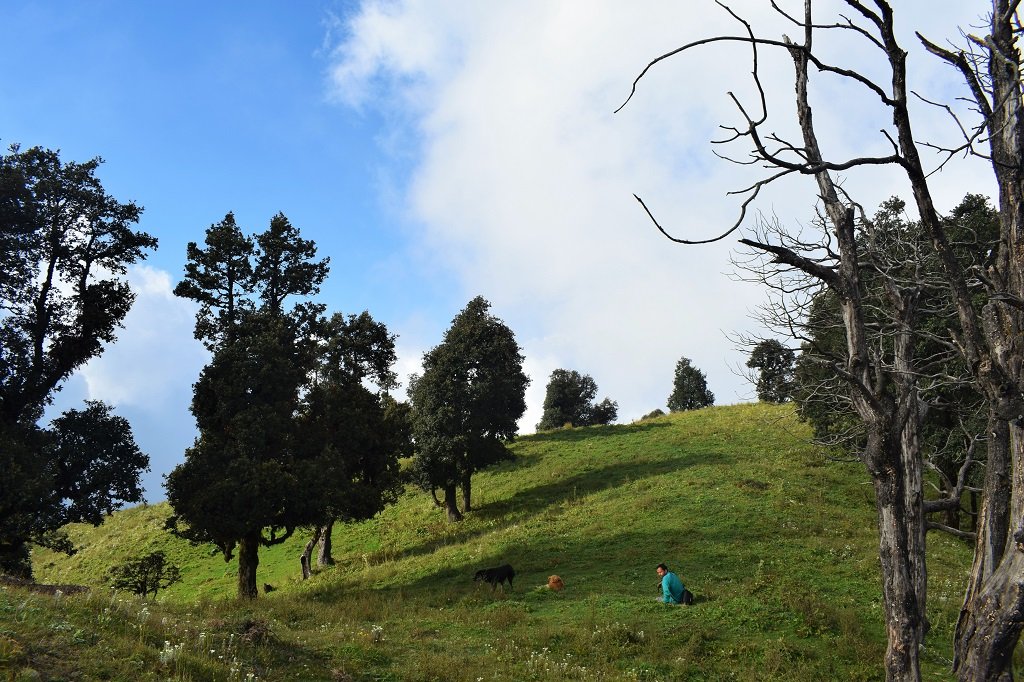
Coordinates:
(687,598)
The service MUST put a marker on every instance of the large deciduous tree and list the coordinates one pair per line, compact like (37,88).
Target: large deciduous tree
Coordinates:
(991,341)
(569,399)
(466,403)
(65,245)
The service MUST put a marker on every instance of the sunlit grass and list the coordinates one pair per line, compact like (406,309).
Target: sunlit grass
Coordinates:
(777,542)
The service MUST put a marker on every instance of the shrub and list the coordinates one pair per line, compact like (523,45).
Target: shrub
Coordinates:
(144,575)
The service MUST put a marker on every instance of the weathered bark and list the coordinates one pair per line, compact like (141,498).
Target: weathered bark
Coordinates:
(324,556)
(450,505)
(893,459)
(901,540)
(982,646)
(951,516)
(990,621)
(248,561)
(307,553)
(892,456)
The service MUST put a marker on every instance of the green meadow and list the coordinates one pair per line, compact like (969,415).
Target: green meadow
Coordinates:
(774,536)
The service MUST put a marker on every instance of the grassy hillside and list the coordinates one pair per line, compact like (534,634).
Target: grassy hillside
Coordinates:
(776,541)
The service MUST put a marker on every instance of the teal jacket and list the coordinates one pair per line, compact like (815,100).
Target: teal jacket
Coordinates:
(671,589)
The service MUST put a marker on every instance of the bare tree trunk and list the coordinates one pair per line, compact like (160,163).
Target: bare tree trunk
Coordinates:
(992,344)
(992,616)
(894,462)
(892,456)
(467,487)
(307,552)
(324,556)
(450,505)
(988,631)
(248,562)
(900,545)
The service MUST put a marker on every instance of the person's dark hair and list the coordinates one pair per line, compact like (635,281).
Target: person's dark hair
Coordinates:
(662,567)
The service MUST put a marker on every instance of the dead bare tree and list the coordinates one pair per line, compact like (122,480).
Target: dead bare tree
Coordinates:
(992,616)
(991,343)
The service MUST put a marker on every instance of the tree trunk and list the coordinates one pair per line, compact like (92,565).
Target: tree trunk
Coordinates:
(992,616)
(951,517)
(307,553)
(892,455)
(248,561)
(467,488)
(901,539)
(324,556)
(450,505)
(991,624)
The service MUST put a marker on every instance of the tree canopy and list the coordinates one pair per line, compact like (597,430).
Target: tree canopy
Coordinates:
(689,388)
(65,245)
(466,404)
(569,399)
(290,433)
(774,364)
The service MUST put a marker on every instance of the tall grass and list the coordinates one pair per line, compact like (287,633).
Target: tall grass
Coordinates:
(776,541)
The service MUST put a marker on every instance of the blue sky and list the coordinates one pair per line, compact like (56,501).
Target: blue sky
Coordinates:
(436,151)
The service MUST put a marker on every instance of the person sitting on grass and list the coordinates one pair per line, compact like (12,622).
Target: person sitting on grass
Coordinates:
(671,587)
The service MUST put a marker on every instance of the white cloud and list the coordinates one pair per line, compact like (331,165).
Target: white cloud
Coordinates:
(155,359)
(525,177)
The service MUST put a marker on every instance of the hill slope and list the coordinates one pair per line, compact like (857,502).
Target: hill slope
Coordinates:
(777,543)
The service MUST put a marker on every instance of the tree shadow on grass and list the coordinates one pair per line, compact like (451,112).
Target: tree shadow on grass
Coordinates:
(547,499)
(575,434)
(540,498)
(589,570)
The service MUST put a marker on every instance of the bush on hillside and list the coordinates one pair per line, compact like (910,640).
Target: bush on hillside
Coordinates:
(144,575)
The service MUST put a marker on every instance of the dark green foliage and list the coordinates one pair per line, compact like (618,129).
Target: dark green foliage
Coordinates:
(689,388)
(350,438)
(569,400)
(290,434)
(954,407)
(243,482)
(86,465)
(239,476)
(467,402)
(285,266)
(64,246)
(144,575)
(62,295)
(220,279)
(604,412)
(97,463)
(657,412)
(774,363)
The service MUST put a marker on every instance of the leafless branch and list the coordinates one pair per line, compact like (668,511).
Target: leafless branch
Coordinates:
(956,532)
